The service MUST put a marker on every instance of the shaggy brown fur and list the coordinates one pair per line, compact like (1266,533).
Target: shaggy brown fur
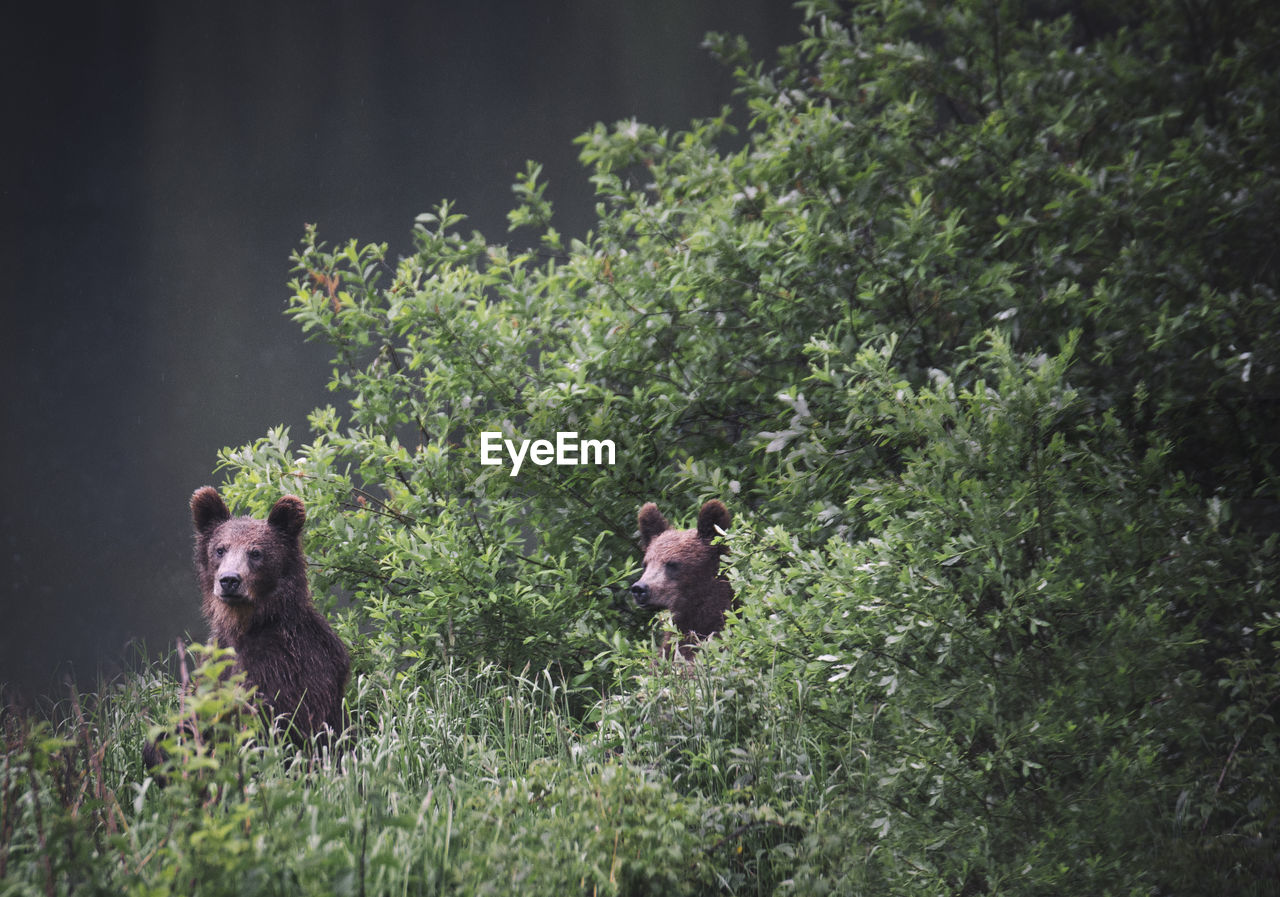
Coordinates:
(682,573)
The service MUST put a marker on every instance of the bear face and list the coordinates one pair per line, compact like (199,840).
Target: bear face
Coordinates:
(682,572)
(242,563)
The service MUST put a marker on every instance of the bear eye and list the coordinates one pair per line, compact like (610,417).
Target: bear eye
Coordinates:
(255,554)
(672,566)
(220,551)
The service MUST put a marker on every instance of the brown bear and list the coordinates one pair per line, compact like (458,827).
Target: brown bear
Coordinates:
(253,577)
(682,574)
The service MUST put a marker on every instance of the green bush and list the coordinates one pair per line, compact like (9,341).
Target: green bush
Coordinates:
(968,312)
(1017,655)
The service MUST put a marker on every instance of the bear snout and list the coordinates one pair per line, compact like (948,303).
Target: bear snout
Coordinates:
(640,592)
(229,587)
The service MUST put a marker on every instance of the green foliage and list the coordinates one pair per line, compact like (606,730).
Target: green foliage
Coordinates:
(644,838)
(968,311)
(1017,652)
(203,738)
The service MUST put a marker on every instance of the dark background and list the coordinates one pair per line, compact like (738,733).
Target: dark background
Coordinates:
(159,165)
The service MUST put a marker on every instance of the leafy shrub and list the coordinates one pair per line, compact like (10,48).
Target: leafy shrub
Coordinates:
(1016,653)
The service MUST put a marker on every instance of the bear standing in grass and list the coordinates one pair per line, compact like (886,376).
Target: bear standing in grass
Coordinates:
(682,573)
(253,577)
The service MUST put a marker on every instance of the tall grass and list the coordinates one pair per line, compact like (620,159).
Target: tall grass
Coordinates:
(460,781)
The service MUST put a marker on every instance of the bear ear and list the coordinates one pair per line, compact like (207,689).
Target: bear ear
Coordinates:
(651,523)
(713,514)
(288,515)
(208,509)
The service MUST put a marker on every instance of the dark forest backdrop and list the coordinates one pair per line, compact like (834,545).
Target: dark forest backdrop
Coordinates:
(160,163)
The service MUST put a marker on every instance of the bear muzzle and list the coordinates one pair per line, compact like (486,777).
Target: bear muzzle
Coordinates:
(230,589)
(640,592)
